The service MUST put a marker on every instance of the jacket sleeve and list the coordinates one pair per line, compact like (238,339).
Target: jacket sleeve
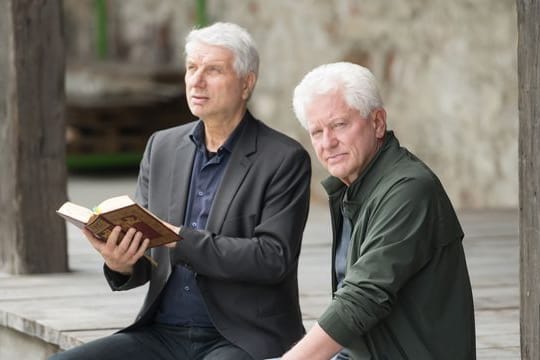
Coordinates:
(272,251)
(399,239)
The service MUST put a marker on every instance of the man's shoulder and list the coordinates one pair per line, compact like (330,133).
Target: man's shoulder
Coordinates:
(408,176)
(174,133)
(275,139)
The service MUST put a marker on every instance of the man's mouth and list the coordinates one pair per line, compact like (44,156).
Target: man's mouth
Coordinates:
(335,157)
(197,99)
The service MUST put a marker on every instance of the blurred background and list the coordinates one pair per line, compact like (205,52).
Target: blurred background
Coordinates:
(447,72)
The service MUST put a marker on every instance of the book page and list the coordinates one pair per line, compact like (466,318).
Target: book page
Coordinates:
(77,212)
(113,203)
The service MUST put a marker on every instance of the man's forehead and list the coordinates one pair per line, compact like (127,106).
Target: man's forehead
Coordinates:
(209,53)
(328,103)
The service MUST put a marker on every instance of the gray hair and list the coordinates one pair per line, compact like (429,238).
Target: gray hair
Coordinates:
(232,37)
(357,83)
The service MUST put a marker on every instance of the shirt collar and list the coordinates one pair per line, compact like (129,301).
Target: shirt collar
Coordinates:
(197,136)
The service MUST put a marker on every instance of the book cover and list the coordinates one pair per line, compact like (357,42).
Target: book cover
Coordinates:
(118,211)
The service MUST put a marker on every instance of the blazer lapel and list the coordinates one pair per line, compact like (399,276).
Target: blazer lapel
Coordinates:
(237,168)
(180,178)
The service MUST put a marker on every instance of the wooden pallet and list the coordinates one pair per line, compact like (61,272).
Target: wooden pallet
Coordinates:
(127,109)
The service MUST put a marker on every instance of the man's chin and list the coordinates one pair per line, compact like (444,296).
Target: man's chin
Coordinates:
(335,169)
(341,174)
(198,112)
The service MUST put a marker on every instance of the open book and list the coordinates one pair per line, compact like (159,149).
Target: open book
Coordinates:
(122,211)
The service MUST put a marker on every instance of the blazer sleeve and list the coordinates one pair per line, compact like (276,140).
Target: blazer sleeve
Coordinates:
(271,252)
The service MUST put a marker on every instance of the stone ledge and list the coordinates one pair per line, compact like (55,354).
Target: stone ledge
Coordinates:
(43,313)
(65,310)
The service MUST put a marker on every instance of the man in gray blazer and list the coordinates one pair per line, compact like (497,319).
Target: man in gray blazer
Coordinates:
(237,192)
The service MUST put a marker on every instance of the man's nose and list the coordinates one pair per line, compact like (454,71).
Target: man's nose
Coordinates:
(329,139)
(197,79)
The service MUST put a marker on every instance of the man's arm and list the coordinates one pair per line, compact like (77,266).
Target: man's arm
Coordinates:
(397,243)
(260,239)
(316,345)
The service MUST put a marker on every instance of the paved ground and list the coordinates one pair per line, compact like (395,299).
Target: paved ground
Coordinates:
(69,308)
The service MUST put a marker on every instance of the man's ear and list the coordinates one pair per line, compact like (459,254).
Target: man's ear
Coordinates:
(379,122)
(249,83)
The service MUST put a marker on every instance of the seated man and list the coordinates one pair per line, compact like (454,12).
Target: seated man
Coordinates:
(400,280)
(228,289)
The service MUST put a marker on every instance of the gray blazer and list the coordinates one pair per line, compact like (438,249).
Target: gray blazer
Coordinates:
(246,261)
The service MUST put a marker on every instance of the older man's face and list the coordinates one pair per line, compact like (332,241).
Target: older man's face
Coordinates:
(213,89)
(344,141)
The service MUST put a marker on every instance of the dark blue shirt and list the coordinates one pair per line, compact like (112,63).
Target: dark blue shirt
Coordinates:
(182,303)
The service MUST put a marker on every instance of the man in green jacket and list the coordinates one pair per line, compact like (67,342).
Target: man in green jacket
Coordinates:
(400,280)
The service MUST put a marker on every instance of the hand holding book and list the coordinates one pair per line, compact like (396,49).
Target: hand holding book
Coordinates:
(119,211)
(122,212)
(121,250)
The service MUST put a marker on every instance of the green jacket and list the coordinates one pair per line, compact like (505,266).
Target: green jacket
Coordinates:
(406,293)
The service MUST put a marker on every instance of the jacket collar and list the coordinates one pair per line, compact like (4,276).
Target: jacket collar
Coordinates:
(237,168)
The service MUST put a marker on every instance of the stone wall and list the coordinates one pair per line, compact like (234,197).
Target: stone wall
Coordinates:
(447,70)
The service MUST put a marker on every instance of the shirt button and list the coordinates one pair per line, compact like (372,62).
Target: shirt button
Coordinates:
(186,288)
(194,224)
(200,193)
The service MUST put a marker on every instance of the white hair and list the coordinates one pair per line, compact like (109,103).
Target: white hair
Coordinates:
(232,37)
(357,83)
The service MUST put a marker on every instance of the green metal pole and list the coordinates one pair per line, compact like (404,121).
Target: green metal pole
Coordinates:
(101,28)
(201,13)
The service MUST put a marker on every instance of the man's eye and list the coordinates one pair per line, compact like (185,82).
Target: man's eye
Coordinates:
(316,133)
